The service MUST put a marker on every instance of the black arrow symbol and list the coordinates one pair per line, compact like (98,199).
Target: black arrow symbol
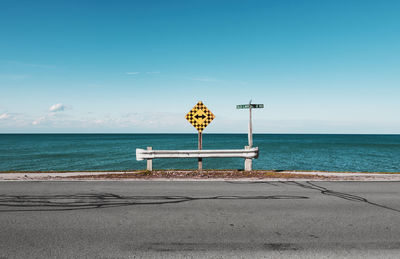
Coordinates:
(202,116)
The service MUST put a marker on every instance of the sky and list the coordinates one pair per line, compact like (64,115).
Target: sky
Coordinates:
(140,66)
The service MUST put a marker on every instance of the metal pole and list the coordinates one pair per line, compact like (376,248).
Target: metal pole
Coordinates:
(200,147)
(250,128)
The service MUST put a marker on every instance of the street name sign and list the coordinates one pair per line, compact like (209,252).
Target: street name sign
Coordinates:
(247,106)
(200,116)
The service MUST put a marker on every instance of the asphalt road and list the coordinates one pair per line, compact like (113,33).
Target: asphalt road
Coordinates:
(199,219)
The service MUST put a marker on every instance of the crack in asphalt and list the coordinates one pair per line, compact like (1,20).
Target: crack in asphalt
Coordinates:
(342,195)
(14,203)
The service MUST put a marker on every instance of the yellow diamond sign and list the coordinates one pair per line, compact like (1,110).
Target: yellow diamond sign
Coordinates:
(200,116)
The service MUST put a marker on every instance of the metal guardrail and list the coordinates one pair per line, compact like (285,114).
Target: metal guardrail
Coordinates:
(142,154)
(149,154)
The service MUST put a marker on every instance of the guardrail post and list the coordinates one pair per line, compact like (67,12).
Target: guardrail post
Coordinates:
(247,162)
(149,162)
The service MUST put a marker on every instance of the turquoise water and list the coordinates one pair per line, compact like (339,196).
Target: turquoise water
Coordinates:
(46,152)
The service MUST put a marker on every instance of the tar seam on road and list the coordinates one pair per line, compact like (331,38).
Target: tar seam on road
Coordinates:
(15,203)
(346,196)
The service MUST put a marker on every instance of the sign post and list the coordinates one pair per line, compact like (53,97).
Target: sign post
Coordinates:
(249,106)
(200,116)
(200,144)
(250,132)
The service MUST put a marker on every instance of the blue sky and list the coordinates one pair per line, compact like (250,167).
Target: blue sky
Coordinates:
(140,66)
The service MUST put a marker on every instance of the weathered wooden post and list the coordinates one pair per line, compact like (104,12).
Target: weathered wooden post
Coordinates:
(149,162)
(250,127)
(200,144)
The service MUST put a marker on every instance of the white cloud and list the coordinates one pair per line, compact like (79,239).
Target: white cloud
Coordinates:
(39,120)
(57,107)
(4,116)
(52,117)
(132,73)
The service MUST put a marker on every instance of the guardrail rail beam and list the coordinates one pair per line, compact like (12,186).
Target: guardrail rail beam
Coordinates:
(248,154)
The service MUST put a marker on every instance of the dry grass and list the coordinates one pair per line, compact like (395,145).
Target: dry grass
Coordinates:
(206,170)
(209,174)
(206,174)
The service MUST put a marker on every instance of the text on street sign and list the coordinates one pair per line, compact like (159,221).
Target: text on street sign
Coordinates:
(247,106)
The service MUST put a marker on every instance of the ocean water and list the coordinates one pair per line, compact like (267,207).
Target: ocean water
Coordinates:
(48,152)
